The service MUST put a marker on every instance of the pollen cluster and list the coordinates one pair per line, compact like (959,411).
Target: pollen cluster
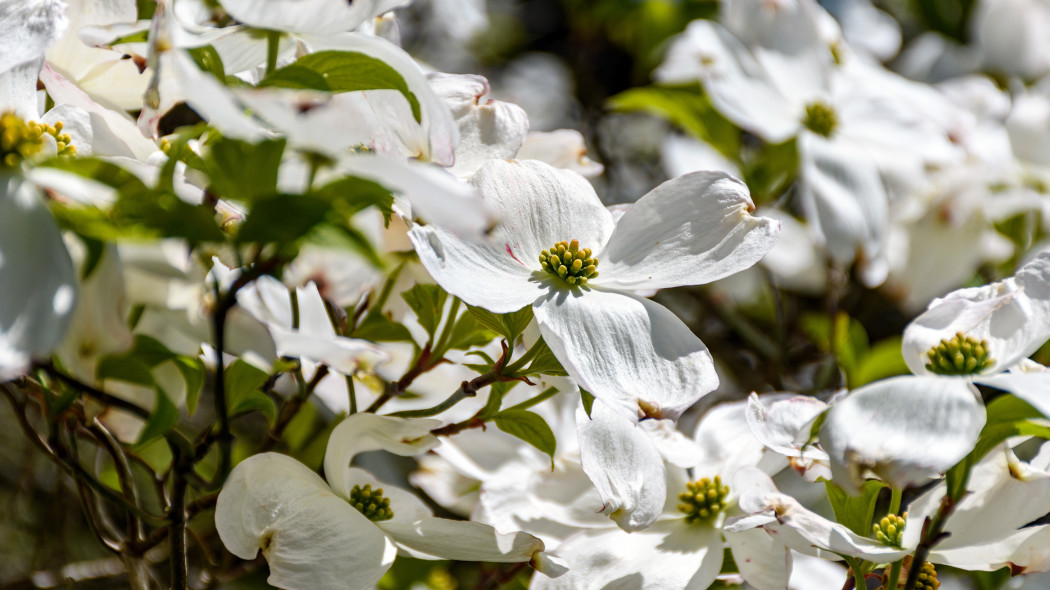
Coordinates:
(567,261)
(959,355)
(890,529)
(371,503)
(703,499)
(20,140)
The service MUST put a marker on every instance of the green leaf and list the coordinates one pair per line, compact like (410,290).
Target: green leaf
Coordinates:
(165,215)
(243,170)
(296,76)
(855,512)
(882,360)
(330,235)
(208,60)
(530,428)
(342,71)
(125,368)
(281,219)
(94,249)
(687,108)
(588,401)
(193,372)
(1007,409)
(509,325)
(101,171)
(379,328)
(545,363)
(243,382)
(428,303)
(769,171)
(354,194)
(468,333)
(160,421)
(301,427)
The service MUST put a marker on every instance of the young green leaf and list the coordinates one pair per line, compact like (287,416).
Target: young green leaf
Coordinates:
(855,512)
(342,71)
(243,394)
(509,325)
(161,419)
(242,170)
(428,303)
(530,428)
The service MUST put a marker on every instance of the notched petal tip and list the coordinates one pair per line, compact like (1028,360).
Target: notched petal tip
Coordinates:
(548,564)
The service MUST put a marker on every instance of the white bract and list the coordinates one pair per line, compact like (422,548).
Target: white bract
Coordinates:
(771,72)
(683,548)
(997,326)
(340,534)
(1012,317)
(312,338)
(627,351)
(904,430)
(37,282)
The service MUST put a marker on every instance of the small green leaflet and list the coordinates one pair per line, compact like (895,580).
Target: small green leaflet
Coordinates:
(855,512)
(428,303)
(508,325)
(243,393)
(530,428)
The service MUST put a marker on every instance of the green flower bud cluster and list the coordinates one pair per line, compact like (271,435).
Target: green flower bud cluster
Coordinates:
(20,140)
(702,499)
(371,503)
(960,355)
(820,118)
(890,529)
(567,261)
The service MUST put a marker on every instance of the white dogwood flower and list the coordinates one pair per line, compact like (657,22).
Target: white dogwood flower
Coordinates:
(626,350)
(985,532)
(985,334)
(345,533)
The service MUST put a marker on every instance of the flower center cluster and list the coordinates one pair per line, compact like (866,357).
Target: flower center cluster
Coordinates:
(371,503)
(820,118)
(928,577)
(702,499)
(890,529)
(568,261)
(20,140)
(960,355)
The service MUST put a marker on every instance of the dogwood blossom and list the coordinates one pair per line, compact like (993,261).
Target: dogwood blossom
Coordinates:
(690,230)
(346,532)
(985,532)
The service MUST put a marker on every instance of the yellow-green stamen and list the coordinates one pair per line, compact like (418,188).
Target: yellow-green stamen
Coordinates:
(21,140)
(959,355)
(890,529)
(820,118)
(567,261)
(703,499)
(371,503)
